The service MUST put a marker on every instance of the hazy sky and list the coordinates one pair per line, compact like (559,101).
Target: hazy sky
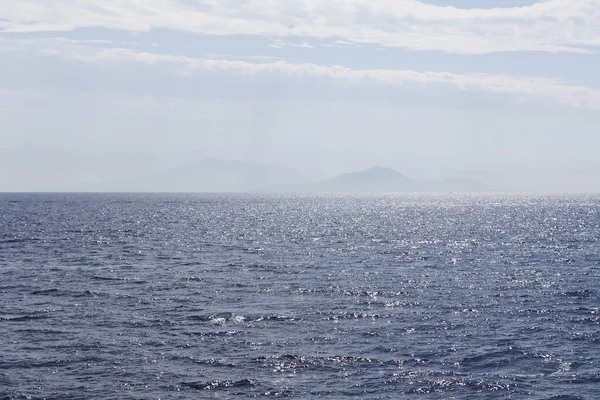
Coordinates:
(508,92)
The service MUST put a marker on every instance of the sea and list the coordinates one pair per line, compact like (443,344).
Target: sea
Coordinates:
(218,296)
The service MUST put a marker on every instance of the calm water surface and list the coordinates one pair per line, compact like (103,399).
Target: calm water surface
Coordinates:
(235,296)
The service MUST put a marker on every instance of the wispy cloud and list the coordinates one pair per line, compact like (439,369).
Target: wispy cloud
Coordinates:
(340,44)
(278,44)
(551,25)
(545,89)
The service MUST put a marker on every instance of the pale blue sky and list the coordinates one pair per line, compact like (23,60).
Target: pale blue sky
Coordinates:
(507,91)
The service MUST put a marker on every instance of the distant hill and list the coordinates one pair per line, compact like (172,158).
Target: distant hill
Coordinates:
(456,185)
(214,176)
(30,168)
(374,180)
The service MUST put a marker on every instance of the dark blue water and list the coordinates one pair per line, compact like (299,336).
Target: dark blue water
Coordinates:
(226,296)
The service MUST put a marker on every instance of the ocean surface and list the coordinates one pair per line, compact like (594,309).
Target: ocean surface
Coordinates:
(189,296)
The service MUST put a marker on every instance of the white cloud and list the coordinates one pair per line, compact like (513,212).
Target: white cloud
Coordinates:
(340,44)
(551,25)
(541,88)
(278,44)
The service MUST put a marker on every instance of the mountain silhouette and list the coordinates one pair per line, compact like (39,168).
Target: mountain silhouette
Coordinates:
(376,179)
(373,180)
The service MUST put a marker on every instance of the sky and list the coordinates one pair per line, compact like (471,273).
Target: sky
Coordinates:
(505,91)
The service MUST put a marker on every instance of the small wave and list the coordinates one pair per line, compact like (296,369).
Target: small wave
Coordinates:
(580,294)
(358,315)
(43,331)
(211,334)
(204,361)
(23,318)
(219,384)
(369,293)
(106,278)
(90,293)
(311,290)
(450,385)
(585,379)
(398,303)
(28,364)
(291,362)
(65,293)
(215,362)
(19,240)
(237,318)
(422,382)
(45,292)
(117,279)
(491,360)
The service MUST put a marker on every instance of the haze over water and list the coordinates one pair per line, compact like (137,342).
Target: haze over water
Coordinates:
(100,96)
(237,296)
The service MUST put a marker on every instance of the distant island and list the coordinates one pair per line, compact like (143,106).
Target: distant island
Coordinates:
(219,176)
(382,180)
(38,169)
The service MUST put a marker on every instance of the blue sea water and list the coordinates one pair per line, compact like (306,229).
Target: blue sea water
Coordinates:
(141,296)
